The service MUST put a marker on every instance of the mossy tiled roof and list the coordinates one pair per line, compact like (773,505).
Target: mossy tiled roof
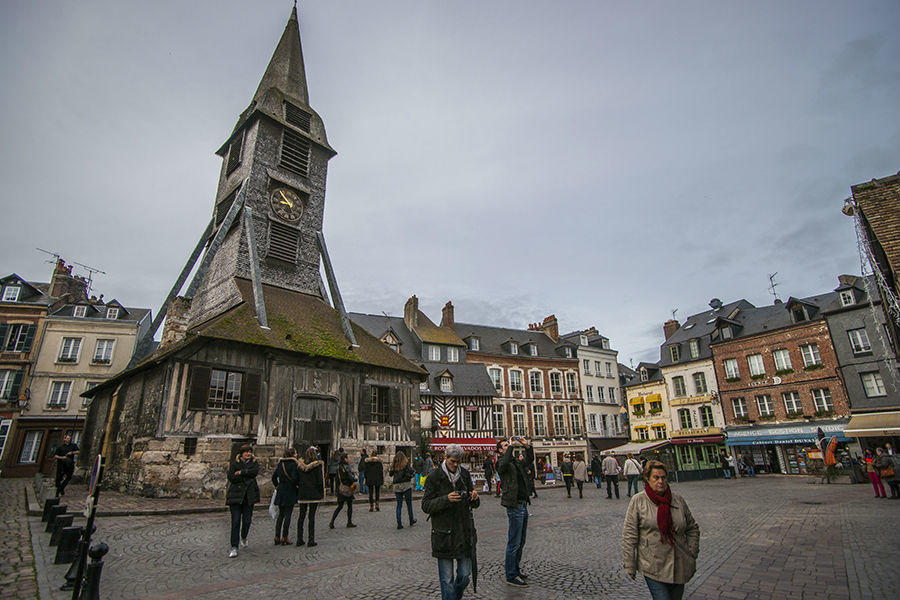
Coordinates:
(433,334)
(300,323)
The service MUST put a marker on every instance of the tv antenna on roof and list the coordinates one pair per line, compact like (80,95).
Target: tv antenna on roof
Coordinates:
(773,285)
(91,270)
(674,310)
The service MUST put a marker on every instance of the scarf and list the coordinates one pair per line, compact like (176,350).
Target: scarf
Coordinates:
(454,477)
(663,514)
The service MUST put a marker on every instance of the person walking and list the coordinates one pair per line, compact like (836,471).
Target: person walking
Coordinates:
(733,463)
(375,478)
(311,491)
(749,467)
(361,471)
(580,472)
(345,491)
(285,478)
(429,464)
(402,473)
(660,537)
(597,470)
(879,469)
(610,468)
(632,470)
(894,481)
(333,465)
(723,463)
(488,466)
(568,473)
(241,495)
(65,464)
(449,499)
(514,497)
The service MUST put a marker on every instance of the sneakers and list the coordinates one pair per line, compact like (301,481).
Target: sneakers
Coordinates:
(517,581)
(399,526)
(233,553)
(244,543)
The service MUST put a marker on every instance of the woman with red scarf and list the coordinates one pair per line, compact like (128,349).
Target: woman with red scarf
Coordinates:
(660,538)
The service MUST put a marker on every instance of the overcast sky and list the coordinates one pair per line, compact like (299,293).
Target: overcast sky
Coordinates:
(603,161)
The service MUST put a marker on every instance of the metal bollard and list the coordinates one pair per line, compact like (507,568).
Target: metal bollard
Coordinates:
(59,523)
(72,574)
(47,504)
(67,549)
(91,590)
(59,509)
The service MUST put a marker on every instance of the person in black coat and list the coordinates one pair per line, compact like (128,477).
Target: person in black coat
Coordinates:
(374,479)
(597,470)
(514,497)
(568,473)
(345,476)
(241,495)
(449,499)
(285,479)
(488,466)
(312,491)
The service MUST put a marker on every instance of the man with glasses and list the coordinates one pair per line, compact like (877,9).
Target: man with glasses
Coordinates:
(514,497)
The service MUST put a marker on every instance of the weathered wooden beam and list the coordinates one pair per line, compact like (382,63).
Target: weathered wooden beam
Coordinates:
(217,241)
(336,299)
(258,299)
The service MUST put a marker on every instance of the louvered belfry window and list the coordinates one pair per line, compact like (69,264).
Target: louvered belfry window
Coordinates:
(295,153)
(296,116)
(283,242)
(234,152)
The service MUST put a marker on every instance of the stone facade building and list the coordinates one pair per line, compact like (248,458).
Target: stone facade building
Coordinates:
(780,381)
(254,350)
(649,416)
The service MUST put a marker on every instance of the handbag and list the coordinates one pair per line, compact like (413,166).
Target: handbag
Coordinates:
(273,509)
(346,490)
(887,472)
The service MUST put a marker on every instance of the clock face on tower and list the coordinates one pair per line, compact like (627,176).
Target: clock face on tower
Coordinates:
(286,204)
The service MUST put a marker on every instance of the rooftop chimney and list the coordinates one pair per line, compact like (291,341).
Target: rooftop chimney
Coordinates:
(176,323)
(447,316)
(550,326)
(411,312)
(63,282)
(670,327)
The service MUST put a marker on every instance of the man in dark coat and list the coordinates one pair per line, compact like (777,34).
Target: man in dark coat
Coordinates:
(242,494)
(449,498)
(514,497)
(597,470)
(488,466)
(568,473)
(65,464)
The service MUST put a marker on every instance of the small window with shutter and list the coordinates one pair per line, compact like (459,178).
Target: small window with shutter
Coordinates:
(295,153)
(235,149)
(283,242)
(223,389)
(296,116)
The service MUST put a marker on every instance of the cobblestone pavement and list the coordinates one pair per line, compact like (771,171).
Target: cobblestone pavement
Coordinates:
(17,578)
(768,537)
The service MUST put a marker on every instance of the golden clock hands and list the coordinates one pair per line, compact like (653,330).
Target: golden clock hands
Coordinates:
(286,201)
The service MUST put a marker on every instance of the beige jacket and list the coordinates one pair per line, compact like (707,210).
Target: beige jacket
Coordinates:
(642,549)
(580,470)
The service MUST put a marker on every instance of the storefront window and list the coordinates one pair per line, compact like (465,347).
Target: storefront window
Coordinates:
(684,455)
(30,447)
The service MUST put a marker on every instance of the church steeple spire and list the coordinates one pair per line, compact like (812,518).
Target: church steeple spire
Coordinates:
(286,72)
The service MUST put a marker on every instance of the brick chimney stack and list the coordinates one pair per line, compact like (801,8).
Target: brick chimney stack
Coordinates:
(447,315)
(550,326)
(411,312)
(670,327)
(176,323)
(63,282)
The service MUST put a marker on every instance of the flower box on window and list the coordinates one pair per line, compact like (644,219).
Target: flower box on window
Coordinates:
(760,376)
(655,411)
(814,367)
(766,417)
(742,419)
(824,413)
(795,414)
(66,359)
(638,412)
(101,361)
(784,371)
(732,379)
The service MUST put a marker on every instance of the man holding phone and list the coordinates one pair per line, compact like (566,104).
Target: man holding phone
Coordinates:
(514,498)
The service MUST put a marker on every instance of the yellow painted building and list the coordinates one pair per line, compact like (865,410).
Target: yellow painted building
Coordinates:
(649,413)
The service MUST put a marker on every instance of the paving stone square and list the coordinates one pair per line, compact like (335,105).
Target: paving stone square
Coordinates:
(768,537)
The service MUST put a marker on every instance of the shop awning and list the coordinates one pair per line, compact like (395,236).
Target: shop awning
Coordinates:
(468,444)
(799,433)
(700,439)
(879,424)
(654,398)
(638,400)
(638,447)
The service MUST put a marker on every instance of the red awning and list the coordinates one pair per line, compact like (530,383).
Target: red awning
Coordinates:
(468,444)
(708,439)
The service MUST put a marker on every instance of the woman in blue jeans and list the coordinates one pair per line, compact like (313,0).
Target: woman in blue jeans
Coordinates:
(402,472)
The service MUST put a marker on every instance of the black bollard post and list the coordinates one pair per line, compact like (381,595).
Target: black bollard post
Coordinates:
(67,549)
(59,523)
(47,504)
(91,590)
(59,509)
(77,566)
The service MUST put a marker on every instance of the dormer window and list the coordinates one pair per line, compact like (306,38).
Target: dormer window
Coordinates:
(532,350)
(446,384)
(695,348)
(434,352)
(513,348)
(474,344)
(423,387)
(799,314)
(11,293)
(80,311)
(452,354)
(112,313)
(847,298)
(644,375)
(675,353)
(725,333)
(605,344)
(583,340)
(567,352)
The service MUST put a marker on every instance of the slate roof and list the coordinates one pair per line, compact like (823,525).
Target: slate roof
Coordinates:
(378,325)
(777,316)
(491,340)
(39,291)
(653,371)
(595,340)
(469,379)
(99,311)
(698,326)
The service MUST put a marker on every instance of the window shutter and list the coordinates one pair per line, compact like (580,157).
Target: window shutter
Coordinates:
(234,152)
(250,393)
(365,404)
(4,327)
(199,390)
(29,337)
(295,153)
(16,384)
(396,405)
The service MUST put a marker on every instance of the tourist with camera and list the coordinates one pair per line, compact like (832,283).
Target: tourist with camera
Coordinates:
(514,497)
(449,498)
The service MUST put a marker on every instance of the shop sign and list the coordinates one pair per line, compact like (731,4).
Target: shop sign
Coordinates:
(796,430)
(697,431)
(471,409)
(445,421)
(690,400)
